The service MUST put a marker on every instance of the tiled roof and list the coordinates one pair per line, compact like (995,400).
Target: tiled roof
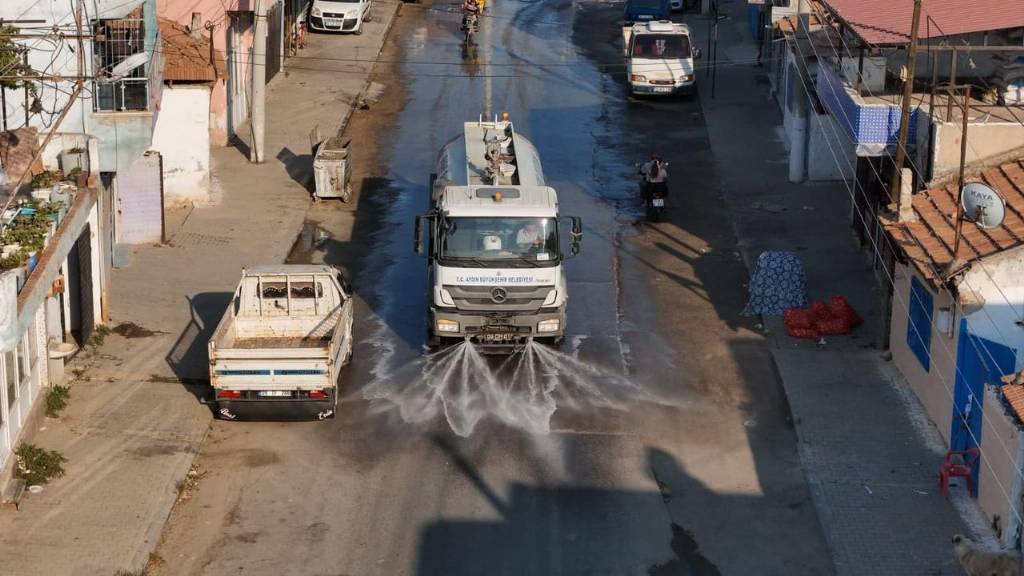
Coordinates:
(880,22)
(1014,394)
(187,59)
(928,242)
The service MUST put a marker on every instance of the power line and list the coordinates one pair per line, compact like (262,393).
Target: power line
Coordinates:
(899,297)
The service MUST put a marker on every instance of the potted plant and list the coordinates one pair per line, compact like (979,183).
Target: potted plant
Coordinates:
(42,183)
(74,160)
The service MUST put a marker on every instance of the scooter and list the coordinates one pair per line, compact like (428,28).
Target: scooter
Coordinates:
(656,202)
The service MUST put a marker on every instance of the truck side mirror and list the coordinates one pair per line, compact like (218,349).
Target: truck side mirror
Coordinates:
(697,54)
(418,239)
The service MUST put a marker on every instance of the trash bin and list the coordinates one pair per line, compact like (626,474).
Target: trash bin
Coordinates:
(330,169)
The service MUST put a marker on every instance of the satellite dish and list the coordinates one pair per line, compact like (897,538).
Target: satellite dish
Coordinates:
(122,68)
(982,205)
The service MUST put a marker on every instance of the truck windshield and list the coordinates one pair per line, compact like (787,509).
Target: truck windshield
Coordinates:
(499,241)
(666,46)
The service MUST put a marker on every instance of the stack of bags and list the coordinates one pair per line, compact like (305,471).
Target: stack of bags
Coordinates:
(821,319)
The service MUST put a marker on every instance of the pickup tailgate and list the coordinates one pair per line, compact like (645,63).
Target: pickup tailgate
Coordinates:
(271,369)
(278,366)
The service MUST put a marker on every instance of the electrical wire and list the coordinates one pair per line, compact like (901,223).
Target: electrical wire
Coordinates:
(899,297)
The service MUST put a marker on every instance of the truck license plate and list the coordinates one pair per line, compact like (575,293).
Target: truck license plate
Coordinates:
(275,393)
(662,90)
(658,202)
(332,22)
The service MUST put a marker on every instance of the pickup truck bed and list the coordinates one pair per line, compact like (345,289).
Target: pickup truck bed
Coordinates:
(282,342)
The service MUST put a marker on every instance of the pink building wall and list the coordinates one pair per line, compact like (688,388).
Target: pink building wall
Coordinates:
(215,11)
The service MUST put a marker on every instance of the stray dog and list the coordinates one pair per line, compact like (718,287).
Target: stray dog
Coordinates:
(978,562)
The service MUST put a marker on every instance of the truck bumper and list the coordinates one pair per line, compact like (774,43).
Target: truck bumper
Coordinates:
(252,407)
(498,330)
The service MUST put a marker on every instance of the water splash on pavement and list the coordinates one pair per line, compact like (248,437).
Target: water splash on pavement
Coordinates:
(523,390)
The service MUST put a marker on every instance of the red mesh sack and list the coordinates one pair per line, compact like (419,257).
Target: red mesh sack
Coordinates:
(832,326)
(841,308)
(808,333)
(798,318)
(820,311)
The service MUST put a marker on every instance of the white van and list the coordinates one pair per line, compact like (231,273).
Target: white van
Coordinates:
(339,15)
(659,58)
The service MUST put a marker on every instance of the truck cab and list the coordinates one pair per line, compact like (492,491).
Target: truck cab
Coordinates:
(495,236)
(659,58)
(646,10)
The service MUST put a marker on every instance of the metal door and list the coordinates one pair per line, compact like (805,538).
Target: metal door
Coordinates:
(140,201)
(275,14)
(978,361)
(239,63)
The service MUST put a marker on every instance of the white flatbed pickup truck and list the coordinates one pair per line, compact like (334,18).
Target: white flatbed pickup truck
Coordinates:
(281,344)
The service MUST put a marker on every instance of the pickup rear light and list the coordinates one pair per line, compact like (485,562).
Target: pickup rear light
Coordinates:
(315,394)
(229,394)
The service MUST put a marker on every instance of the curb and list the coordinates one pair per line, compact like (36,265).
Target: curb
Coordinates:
(155,532)
(369,75)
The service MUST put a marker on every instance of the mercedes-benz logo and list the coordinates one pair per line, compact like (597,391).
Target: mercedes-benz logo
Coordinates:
(498,295)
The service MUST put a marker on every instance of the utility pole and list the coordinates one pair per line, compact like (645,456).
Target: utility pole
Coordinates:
(964,109)
(257,110)
(486,26)
(908,95)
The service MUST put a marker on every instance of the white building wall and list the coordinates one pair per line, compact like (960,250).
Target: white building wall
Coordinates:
(182,136)
(933,387)
(999,282)
(998,475)
(831,155)
(58,62)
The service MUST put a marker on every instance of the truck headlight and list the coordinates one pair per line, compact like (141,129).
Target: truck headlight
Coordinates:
(447,325)
(548,325)
(316,12)
(686,77)
(637,78)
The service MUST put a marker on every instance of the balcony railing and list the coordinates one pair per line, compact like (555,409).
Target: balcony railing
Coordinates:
(121,95)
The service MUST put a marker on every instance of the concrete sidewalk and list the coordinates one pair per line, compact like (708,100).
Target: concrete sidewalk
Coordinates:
(135,421)
(870,455)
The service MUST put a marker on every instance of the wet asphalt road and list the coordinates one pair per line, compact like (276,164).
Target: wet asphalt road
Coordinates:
(659,443)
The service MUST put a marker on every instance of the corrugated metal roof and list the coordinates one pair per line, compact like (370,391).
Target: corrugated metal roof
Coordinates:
(880,22)
(187,59)
(928,242)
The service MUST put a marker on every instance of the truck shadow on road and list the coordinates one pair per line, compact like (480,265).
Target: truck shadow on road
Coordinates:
(564,529)
(188,358)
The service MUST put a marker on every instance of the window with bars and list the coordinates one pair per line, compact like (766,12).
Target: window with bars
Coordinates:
(23,362)
(119,86)
(11,374)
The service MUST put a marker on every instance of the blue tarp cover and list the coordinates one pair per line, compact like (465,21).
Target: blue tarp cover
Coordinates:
(777,283)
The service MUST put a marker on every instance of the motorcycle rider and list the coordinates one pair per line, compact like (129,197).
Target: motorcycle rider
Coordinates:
(655,178)
(469,7)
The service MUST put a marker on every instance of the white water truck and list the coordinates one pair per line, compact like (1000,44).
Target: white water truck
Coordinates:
(494,250)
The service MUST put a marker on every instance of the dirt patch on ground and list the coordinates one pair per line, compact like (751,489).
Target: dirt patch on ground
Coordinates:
(133,330)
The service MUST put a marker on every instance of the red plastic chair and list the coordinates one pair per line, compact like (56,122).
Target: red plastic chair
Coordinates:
(959,464)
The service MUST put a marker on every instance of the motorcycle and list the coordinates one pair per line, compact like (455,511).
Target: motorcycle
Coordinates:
(469,23)
(654,195)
